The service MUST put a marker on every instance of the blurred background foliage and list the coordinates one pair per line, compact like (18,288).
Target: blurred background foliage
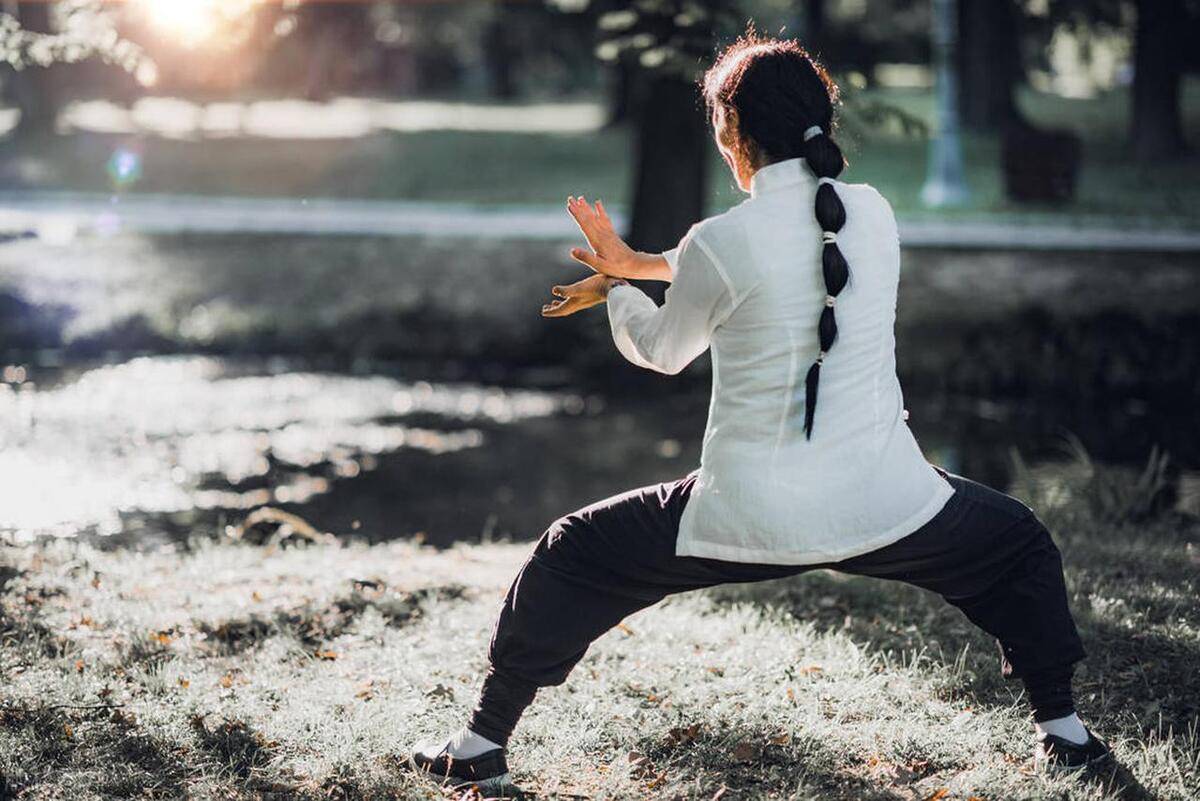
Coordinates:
(1060,66)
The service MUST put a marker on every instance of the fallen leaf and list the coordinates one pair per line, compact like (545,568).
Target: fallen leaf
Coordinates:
(782,739)
(67,730)
(328,656)
(641,765)
(681,735)
(78,665)
(161,637)
(791,694)
(184,683)
(716,671)
(811,669)
(938,794)
(745,751)
(226,681)
(256,596)
(628,631)
(441,691)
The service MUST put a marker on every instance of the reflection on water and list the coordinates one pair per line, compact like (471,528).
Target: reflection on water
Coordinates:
(175,434)
(173,447)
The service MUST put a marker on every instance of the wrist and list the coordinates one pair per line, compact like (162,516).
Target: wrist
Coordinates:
(610,282)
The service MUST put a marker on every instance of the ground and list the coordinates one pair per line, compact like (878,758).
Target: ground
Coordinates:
(233,670)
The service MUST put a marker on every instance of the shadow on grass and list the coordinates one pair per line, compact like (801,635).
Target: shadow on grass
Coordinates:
(314,626)
(751,762)
(103,743)
(238,748)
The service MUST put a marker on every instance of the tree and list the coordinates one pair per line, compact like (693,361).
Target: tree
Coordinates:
(33,91)
(1160,43)
(42,34)
(1156,129)
(664,43)
(990,67)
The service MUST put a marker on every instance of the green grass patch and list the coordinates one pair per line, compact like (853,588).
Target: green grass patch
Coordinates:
(236,671)
(536,168)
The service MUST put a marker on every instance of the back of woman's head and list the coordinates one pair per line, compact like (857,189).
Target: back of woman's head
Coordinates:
(784,102)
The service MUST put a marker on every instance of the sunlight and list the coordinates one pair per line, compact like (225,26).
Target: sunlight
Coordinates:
(193,23)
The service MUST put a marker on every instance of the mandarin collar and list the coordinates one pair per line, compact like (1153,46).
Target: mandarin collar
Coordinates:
(788,172)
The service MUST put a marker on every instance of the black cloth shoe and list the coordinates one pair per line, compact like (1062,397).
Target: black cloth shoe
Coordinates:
(1055,753)
(488,771)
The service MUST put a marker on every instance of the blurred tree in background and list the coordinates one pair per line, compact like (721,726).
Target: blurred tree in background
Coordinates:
(640,56)
(1164,33)
(35,34)
(658,49)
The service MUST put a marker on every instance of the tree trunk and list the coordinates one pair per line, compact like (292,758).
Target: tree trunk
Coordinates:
(812,21)
(500,55)
(622,83)
(32,89)
(670,182)
(1157,124)
(989,64)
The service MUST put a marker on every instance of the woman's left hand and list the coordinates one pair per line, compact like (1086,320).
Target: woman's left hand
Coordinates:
(610,254)
(591,291)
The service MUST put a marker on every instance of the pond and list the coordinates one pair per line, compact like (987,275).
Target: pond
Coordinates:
(165,448)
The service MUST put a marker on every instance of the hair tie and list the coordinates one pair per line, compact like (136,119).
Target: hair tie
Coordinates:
(821,357)
(829,181)
(829,237)
(830,300)
(813,131)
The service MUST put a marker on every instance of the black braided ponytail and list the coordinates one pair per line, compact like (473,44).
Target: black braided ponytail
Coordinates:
(825,159)
(784,100)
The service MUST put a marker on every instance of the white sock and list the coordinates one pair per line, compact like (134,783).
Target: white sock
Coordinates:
(1069,728)
(465,744)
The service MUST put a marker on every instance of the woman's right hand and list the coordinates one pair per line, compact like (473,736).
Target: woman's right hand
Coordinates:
(584,294)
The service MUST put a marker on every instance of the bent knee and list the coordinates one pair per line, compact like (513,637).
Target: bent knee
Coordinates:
(560,536)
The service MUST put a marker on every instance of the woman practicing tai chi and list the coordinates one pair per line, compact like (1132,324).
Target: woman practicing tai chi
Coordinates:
(807,459)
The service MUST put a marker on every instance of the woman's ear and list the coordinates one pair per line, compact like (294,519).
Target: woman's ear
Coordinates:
(730,131)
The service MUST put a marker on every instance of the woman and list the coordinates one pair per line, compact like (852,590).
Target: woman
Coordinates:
(799,470)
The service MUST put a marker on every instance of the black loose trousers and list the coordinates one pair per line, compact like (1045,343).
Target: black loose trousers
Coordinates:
(984,552)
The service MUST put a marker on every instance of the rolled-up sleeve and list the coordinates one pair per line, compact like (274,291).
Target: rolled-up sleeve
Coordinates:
(668,338)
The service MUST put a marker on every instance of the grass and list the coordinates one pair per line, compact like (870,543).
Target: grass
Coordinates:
(230,670)
(541,168)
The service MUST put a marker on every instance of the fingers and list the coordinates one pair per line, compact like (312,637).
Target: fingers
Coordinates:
(587,257)
(600,210)
(558,291)
(560,308)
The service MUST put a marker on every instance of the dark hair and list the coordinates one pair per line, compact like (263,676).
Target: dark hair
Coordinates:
(784,101)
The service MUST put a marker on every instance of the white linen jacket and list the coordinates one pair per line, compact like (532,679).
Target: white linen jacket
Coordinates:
(748,284)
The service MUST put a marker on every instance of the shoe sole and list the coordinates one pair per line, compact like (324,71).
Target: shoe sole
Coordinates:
(1054,767)
(490,783)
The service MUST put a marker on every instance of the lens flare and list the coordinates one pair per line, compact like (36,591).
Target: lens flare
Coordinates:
(124,167)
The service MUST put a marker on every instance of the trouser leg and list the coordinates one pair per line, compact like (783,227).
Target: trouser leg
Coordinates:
(990,556)
(590,570)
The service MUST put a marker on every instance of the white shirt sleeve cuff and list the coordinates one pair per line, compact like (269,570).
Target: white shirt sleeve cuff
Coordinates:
(672,257)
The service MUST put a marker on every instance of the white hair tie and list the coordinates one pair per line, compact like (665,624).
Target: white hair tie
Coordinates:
(830,300)
(825,181)
(813,131)
(829,237)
